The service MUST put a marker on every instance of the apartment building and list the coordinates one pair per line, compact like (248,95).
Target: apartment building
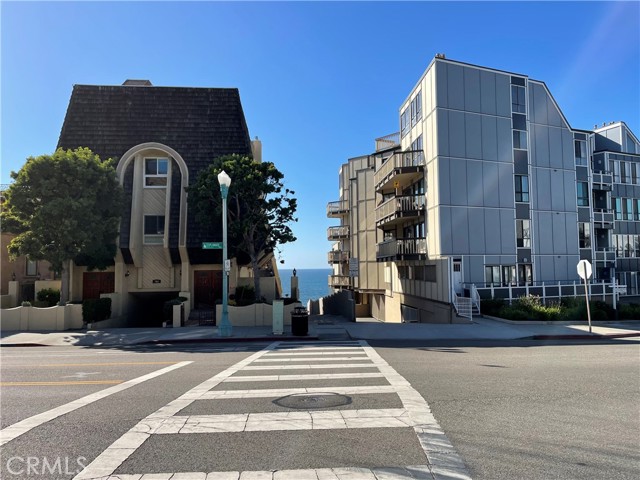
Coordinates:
(486,191)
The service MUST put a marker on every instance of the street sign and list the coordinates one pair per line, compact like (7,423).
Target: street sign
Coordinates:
(584,269)
(354,267)
(212,245)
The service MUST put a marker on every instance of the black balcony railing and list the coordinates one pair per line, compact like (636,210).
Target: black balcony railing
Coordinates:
(401,247)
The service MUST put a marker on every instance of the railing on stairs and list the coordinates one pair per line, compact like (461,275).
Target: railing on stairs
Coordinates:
(475,298)
(463,305)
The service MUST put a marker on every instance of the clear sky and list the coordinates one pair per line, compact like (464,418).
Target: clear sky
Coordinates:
(318,81)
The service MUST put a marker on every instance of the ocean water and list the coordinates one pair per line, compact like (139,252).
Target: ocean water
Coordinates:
(313,282)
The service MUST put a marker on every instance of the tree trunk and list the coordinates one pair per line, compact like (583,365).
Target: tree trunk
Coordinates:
(64,283)
(256,272)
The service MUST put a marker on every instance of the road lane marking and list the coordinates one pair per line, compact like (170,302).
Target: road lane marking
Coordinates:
(110,364)
(306,359)
(12,431)
(285,378)
(442,459)
(110,459)
(283,392)
(314,354)
(312,367)
(61,383)
(413,472)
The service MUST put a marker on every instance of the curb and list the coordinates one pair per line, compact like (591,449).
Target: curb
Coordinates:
(593,336)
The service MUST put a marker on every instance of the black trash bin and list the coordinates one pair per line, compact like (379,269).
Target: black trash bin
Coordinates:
(300,322)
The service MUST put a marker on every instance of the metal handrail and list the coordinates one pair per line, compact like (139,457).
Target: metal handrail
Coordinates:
(338,206)
(400,203)
(341,231)
(402,246)
(412,158)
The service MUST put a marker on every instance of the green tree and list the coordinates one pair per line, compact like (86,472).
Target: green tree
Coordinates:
(64,207)
(259,207)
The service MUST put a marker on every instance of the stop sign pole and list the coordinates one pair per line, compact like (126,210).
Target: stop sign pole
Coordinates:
(584,270)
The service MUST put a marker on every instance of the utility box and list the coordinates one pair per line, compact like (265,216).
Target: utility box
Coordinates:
(300,322)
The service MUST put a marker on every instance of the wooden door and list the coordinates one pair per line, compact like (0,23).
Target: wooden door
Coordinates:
(207,288)
(96,283)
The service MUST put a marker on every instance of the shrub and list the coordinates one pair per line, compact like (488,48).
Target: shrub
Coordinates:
(95,310)
(245,295)
(513,312)
(26,304)
(492,306)
(629,311)
(49,296)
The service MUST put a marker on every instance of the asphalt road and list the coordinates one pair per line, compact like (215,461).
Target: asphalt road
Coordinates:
(519,410)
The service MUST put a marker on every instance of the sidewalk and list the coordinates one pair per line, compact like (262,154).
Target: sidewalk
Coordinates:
(326,327)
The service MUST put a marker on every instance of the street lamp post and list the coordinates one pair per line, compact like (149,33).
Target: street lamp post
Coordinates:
(224,329)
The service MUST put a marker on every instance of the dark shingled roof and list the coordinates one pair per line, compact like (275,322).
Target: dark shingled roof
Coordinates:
(199,123)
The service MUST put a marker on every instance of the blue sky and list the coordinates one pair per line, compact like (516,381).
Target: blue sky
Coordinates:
(318,81)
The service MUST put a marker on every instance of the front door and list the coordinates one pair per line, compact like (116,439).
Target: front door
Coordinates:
(457,277)
(207,288)
(95,283)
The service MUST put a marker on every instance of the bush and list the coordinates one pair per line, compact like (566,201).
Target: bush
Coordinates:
(26,304)
(245,295)
(492,306)
(513,313)
(49,296)
(95,310)
(629,311)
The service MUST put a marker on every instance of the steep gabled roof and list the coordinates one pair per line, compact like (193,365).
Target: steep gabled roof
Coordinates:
(199,123)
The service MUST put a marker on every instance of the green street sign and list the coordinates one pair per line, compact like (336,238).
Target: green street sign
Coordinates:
(211,245)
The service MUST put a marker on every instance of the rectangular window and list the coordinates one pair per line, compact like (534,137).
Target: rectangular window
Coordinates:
(615,168)
(416,108)
(581,152)
(634,173)
(492,275)
(519,121)
(518,99)
(523,234)
(509,275)
(155,172)
(519,139)
(637,209)
(404,122)
(522,188)
(584,235)
(32,268)
(416,148)
(628,208)
(583,194)
(617,208)
(153,229)
(624,172)
(524,274)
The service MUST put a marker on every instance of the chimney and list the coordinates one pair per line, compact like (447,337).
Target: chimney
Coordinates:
(256,149)
(137,83)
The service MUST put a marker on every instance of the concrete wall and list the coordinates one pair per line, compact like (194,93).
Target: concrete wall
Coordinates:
(256,315)
(339,303)
(31,318)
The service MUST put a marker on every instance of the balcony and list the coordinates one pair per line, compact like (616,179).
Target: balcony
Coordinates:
(337,209)
(337,256)
(338,233)
(387,141)
(606,256)
(603,181)
(399,208)
(402,249)
(339,281)
(400,170)
(603,218)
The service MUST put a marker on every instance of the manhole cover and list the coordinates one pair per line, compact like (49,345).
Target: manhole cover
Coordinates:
(310,401)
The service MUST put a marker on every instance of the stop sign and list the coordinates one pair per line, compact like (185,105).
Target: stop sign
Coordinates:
(584,269)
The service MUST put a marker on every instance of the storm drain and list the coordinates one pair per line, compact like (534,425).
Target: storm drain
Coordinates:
(312,401)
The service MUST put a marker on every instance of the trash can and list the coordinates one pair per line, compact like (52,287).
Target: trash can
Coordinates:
(300,322)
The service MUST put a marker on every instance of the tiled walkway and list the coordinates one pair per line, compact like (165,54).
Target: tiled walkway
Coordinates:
(307,412)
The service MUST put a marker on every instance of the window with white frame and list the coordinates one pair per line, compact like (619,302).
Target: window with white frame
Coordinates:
(404,122)
(583,194)
(523,233)
(32,268)
(153,229)
(581,152)
(416,108)
(520,139)
(584,235)
(518,96)
(522,188)
(156,171)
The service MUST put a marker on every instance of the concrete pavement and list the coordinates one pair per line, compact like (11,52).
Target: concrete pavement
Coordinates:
(328,327)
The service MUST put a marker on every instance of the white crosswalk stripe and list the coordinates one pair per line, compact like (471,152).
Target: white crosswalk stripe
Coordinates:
(441,459)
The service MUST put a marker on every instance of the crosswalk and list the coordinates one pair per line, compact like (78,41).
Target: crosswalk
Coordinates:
(318,397)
